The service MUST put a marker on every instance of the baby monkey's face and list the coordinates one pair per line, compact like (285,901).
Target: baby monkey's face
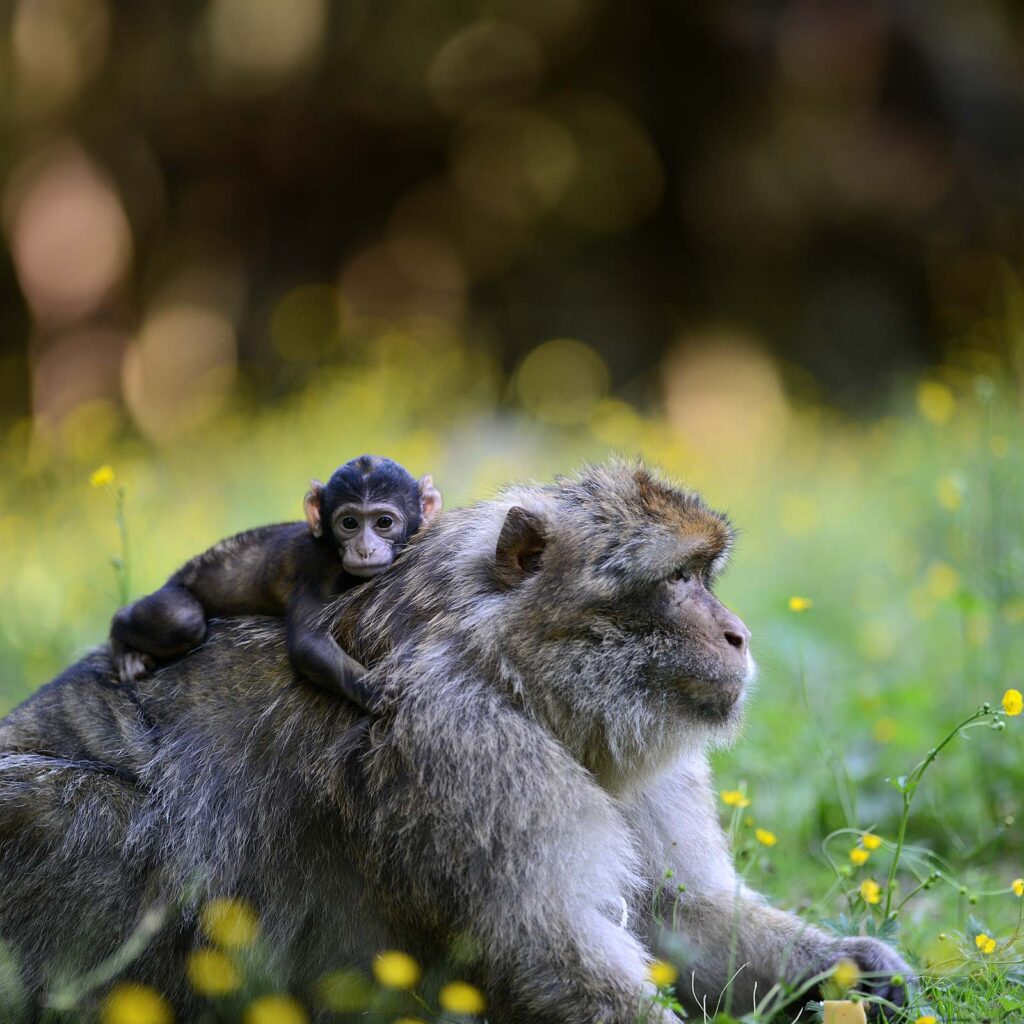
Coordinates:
(367,535)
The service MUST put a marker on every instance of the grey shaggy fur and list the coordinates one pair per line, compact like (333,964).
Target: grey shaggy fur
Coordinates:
(540,763)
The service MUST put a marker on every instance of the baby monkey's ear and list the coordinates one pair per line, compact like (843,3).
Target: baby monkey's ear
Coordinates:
(314,498)
(431,501)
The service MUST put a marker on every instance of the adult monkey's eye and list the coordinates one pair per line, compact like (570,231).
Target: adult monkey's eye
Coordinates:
(350,523)
(385,522)
(682,575)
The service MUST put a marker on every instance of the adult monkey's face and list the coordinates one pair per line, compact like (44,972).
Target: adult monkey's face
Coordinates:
(620,567)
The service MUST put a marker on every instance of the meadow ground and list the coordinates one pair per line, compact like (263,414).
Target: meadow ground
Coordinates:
(880,568)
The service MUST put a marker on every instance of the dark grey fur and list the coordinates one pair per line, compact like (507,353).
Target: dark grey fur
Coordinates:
(541,761)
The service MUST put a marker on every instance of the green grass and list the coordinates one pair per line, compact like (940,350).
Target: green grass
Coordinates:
(905,532)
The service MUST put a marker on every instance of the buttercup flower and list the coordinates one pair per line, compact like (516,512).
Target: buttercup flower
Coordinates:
(925,1020)
(765,838)
(461,997)
(800,604)
(859,856)
(102,477)
(662,974)
(735,798)
(985,943)
(1013,702)
(870,841)
(1018,886)
(135,1004)
(846,974)
(275,1009)
(396,970)
(870,891)
(230,923)
(212,972)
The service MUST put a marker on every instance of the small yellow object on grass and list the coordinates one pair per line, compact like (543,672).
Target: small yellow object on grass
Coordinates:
(662,974)
(212,972)
(135,1004)
(1013,702)
(870,891)
(230,923)
(102,477)
(275,1009)
(1018,886)
(396,970)
(871,841)
(843,1011)
(800,604)
(735,798)
(461,997)
(859,856)
(765,838)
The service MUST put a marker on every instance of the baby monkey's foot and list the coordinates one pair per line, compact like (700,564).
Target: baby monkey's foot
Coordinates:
(132,665)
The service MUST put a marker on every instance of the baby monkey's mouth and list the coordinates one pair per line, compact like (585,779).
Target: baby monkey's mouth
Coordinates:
(364,571)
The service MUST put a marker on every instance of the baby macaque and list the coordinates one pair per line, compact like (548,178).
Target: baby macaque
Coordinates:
(355,526)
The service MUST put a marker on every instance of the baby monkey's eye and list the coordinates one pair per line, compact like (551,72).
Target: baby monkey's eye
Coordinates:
(350,523)
(682,575)
(385,522)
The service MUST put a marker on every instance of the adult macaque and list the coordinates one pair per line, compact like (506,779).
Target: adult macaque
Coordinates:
(354,527)
(553,667)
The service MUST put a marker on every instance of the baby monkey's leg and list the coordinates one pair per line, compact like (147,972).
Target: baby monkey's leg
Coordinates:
(167,623)
(316,656)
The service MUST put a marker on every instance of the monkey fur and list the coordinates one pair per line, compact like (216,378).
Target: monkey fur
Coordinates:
(354,527)
(553,670)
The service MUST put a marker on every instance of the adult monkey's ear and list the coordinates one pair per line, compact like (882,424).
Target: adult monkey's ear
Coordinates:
(312,503)
(520,546)
(431,501)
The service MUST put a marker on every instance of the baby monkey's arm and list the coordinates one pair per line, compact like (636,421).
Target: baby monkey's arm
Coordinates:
(317,656)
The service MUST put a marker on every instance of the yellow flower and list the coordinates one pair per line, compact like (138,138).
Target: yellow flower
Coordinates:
(859,856)
(102,477)
(662,974)
(1018,886)
(935,402)
(735,798)
(232,924)
(927,1019)
(1013,702)
(870,891)
(408,1020)
(396,970)
(765,838)
(985,943)
(846,974)
(212,972)
(275,1009)
(871,841)
(800,604)
(135,1004)
(461,997)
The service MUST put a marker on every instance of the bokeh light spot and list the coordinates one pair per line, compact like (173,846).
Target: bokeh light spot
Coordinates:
(619,179)
(68,232)
(562,382)
(253,44)
(514,166)
(487,64)
(179,370)
(306,323)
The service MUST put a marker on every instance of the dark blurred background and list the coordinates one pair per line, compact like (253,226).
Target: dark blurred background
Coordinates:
(204,199)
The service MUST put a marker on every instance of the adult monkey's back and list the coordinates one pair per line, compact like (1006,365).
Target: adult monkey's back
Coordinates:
(554,667)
